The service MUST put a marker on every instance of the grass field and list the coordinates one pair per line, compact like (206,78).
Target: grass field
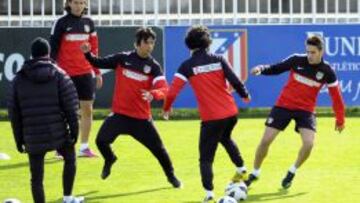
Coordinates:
(331,175)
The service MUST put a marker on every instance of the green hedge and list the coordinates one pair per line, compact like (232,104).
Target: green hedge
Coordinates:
(191,114)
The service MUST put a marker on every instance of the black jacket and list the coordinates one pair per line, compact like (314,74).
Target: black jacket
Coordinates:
(43,105)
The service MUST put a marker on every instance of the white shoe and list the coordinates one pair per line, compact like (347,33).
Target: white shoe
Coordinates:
(76,200)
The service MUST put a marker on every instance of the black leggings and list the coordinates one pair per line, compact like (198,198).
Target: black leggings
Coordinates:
(213,132)
(142,130)
(37,173)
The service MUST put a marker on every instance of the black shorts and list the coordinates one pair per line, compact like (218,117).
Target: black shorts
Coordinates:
(85,86)
(280,118)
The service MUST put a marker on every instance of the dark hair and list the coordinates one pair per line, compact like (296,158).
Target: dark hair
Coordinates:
(40,47)
(144,33)
(316,41)
(198,37)
(68,9)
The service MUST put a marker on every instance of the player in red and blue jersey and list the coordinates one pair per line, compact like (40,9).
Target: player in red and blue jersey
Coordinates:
(208,75)
(297,101)
(139,80)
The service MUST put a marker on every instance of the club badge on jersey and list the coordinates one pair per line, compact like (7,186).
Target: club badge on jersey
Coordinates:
(319,75)
(147,69)
(87,28)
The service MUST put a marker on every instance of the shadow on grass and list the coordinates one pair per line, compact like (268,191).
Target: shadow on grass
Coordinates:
(280,194)
(109,196)
(97,199)
(26,164)
(82,194)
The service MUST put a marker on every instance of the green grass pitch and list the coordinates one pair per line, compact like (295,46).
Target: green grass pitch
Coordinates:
(331,175)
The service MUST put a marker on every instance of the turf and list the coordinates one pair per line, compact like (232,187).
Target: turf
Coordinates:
(332,174)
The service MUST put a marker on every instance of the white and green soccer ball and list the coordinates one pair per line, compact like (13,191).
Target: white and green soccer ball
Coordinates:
(226,199)
(238,191)
(11,200)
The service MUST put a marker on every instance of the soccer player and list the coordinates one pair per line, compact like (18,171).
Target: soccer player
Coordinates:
(308,74)
(67,34)
(139,80)
(43,107)
(208,75)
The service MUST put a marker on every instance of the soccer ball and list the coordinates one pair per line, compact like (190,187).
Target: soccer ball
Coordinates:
(227,199)
(237,191)
(12,200)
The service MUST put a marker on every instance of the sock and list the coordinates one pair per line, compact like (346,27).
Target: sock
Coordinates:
(241,169)
(209,193)
(292,169)
(84,146)
(256,172)
(68,198)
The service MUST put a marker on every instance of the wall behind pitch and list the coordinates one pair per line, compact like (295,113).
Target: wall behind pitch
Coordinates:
(270,44)
(15,48)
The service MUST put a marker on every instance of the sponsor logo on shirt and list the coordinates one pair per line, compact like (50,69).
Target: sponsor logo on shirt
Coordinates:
(306,81)
(134,75)
(207,68)
(76,37)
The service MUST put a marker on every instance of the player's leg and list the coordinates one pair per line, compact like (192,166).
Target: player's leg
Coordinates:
(69,171)
(210,135)
(145,132)
(113,126)
(233,150)
(306,126)
(37,175)
(277,121)
(85,86)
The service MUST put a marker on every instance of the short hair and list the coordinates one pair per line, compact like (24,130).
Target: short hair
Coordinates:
(198,37)
(68,9)
(40,47)
(144,33)
(316,41)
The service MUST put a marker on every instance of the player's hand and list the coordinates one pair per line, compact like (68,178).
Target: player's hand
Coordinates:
(247,99)
(99,81)
(166,114)
(85,47)
(146,95)
(257,70)
(339,127)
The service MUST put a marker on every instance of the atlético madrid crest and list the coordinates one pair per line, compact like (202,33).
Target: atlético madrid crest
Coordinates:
(232,44)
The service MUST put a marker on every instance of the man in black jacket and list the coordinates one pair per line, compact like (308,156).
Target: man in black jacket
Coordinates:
(43,106)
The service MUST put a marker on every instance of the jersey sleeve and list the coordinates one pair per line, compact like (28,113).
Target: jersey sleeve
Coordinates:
(55,38)
(338,104)
(179,81)
(94,42)
(108,62)
(233,80)
(281,67)
(159,84)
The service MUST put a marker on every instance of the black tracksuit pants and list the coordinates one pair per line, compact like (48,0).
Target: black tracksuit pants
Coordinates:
(213,132)
(142,130)
(37,172)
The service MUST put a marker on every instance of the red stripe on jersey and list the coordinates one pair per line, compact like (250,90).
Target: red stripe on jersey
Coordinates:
(70,58)
(175,87)
(160,88)
(127,99)
(338,104)
(214,100)
(300,93)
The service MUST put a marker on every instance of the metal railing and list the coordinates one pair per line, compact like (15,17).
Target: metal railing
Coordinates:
(41,13)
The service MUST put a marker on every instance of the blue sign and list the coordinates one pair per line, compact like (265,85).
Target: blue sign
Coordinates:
(248,46)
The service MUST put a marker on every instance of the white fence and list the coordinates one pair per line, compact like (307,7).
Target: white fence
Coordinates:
(41,13)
